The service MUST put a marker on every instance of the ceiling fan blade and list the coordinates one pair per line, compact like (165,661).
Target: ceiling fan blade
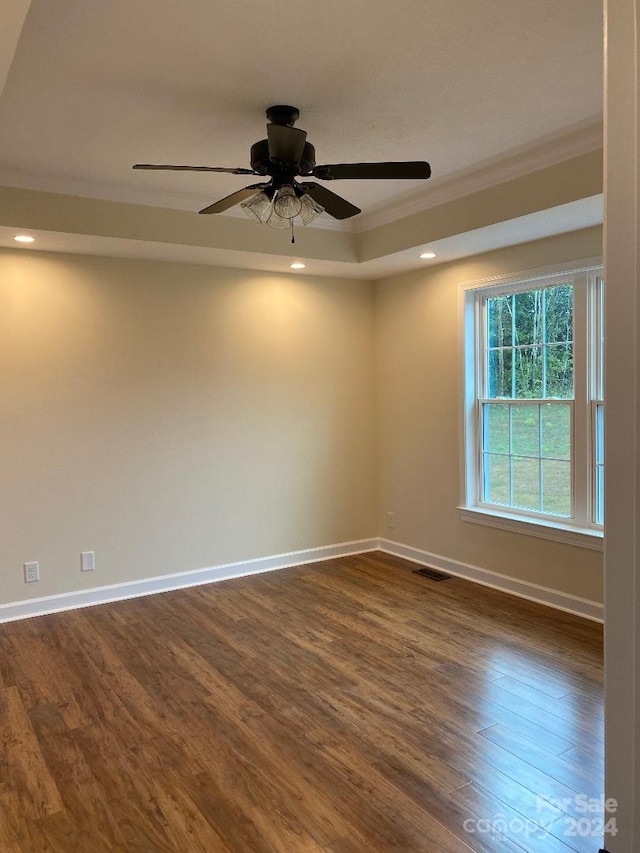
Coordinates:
(334,205)
(286,144)
(238,171)
(414,169)
(235,198)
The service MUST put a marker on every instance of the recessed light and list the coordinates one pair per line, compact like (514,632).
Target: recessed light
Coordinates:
(24,238)
(297,266)
(426,255)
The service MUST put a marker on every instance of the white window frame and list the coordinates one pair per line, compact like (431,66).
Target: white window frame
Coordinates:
(597,389)
(581,529)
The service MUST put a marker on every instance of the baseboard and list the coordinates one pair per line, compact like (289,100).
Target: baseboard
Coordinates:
(149,586)
(181,580)
(523,589)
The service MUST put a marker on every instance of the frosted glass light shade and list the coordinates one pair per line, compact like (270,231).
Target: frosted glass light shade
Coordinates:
(310,209)
(280,211)
(277,221)
(257,207)
(286,203)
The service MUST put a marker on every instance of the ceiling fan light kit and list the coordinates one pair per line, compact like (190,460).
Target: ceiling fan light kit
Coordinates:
(282,157)
(258,206)
(310,209)
(277,221)
(287,203)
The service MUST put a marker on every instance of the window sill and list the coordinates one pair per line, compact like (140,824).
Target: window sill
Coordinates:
(578,536)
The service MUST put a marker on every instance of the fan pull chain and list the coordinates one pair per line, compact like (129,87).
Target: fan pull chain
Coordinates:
(293,239)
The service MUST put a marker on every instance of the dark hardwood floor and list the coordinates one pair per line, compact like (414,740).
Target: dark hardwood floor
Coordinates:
(347,706)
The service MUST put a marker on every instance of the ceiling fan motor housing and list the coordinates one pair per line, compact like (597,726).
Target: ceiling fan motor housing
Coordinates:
(261,163)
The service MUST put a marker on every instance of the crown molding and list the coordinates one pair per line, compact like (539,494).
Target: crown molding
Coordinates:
(580,139)
(100,192)
(112,192)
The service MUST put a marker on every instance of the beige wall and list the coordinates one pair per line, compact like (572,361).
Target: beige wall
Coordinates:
(418,399)
(174,417)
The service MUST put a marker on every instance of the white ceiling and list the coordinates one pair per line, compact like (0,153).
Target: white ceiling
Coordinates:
(96,86)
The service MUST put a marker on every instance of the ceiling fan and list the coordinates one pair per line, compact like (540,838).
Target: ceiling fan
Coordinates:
(284,156)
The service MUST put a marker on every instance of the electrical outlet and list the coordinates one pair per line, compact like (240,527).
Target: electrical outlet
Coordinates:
(31,572)
(391,519)
(87,561)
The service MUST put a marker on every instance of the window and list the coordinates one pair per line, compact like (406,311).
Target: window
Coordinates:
(534,405)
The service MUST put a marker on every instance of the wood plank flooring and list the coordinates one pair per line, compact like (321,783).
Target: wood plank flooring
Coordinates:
(348,706)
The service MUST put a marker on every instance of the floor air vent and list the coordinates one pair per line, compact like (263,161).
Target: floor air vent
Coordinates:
(432,574)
